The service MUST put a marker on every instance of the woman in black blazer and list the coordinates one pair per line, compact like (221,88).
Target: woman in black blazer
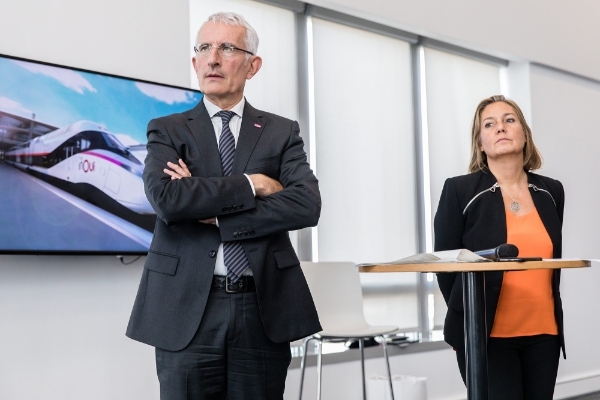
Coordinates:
(472,214)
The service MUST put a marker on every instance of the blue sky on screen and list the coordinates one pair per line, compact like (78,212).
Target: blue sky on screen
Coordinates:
(61,96)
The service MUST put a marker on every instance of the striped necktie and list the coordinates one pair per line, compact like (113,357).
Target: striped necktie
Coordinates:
(234,256)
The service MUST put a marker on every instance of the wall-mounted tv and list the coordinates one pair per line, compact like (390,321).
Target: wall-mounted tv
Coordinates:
(72,149)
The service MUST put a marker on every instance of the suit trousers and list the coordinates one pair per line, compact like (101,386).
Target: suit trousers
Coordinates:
(230,357)
(520,368)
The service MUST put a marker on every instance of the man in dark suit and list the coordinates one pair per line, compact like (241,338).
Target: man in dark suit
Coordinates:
(222,293)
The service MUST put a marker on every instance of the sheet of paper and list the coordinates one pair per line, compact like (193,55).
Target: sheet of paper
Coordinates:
(459,255)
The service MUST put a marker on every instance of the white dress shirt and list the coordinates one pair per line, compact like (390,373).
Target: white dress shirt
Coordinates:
(234,125)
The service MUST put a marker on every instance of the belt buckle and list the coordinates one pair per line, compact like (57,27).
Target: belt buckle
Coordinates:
(233,289)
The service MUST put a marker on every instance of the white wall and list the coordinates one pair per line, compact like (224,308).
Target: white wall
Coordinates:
(133,38)
(63,318)
(63,330)
(564,108)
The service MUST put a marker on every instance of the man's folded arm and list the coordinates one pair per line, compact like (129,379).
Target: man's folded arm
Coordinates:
(191,198)
(297,206)
(288,210)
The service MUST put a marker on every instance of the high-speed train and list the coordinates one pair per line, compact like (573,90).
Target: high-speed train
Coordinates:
(87,153)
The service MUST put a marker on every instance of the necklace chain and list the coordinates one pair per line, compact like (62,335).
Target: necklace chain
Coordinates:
(514,205)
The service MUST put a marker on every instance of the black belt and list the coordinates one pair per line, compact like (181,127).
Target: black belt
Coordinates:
(244,284)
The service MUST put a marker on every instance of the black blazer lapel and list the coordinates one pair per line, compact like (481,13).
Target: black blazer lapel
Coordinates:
(252,127)
(203,131)
(547,209)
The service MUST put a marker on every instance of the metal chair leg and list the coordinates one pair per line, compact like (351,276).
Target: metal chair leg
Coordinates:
(319,367)
(387,363)
(303,363)
(361,344)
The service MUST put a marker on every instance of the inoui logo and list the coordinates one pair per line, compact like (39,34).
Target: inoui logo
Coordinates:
(87,166)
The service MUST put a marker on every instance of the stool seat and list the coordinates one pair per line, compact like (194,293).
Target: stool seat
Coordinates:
(364,332)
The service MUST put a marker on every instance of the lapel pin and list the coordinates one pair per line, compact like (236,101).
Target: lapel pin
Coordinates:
(257,125)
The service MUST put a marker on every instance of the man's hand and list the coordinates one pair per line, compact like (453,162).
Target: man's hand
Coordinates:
(177,171)
(264,186)
(210,221)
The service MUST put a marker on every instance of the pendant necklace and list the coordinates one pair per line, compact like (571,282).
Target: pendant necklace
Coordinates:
(514,205)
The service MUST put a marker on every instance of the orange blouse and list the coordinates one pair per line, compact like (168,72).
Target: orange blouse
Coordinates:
(526,303)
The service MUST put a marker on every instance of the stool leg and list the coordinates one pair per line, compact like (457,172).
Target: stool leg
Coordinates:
(387,363)
(303,363)
(361,344)
(319,367)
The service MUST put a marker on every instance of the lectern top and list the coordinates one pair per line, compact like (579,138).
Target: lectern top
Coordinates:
(477,266)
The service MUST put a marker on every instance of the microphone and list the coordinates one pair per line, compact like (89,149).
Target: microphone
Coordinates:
(503,251)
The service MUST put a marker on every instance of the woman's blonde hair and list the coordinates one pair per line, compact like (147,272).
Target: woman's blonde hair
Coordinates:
(532,159)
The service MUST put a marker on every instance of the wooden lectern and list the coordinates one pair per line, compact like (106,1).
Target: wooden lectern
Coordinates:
(474,306)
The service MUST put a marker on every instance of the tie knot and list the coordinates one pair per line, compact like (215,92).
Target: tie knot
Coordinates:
(226,116)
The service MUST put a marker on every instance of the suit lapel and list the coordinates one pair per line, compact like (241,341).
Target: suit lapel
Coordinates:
(252,127)
(202,129)
(547,211)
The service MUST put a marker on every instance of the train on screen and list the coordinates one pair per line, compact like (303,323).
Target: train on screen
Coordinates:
(85,153)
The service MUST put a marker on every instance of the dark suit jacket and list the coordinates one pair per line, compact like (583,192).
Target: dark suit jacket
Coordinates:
(471,215)
(179,268)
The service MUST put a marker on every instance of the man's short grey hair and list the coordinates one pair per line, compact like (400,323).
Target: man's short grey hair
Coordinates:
(230,18)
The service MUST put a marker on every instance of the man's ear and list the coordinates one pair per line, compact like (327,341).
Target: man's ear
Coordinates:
(255,64)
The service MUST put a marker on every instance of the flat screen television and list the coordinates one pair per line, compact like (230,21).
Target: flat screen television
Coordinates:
(72,149)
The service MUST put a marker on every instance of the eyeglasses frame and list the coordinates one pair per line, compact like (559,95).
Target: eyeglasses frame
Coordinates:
(221,46)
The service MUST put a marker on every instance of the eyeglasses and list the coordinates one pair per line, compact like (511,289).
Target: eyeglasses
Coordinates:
(225,50)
